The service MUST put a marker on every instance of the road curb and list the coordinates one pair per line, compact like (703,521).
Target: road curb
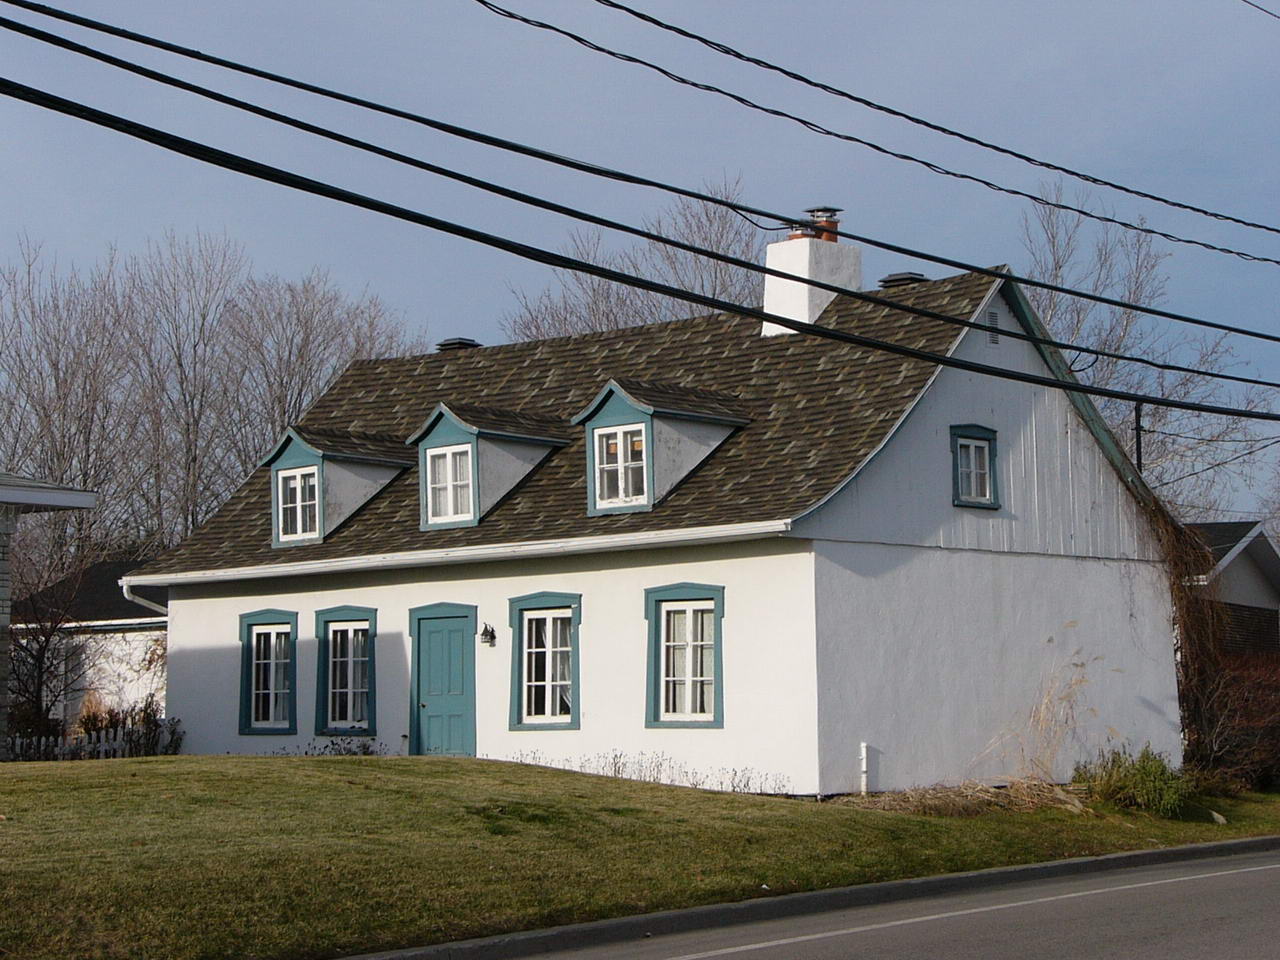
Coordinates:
(603,932)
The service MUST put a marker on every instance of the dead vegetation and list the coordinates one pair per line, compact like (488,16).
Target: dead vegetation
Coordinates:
(972,798)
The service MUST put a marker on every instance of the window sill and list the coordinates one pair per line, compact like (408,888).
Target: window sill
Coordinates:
(714,724)
(346,732)
(269,732)
(976,504)
(544,725)
(598,510)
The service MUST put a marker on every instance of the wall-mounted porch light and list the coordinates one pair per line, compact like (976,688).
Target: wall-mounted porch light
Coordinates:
(488,635)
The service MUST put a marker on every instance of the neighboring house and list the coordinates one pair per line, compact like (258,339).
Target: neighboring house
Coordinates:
(115,645)
(705,551)
(1245,580)
(19,495)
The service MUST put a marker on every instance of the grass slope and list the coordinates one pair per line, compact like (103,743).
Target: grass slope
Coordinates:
(287,857)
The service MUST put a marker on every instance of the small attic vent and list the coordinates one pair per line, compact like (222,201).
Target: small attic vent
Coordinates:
(993,322)
(901,279)
(457,343)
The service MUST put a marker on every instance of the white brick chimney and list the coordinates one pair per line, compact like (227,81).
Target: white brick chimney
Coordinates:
(813,252)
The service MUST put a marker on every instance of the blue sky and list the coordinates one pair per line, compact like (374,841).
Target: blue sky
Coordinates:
(1173,97)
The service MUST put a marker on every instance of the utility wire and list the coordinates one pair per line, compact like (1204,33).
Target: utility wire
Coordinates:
(861,141)
(1186,436)
(1215,466)
(616,175)
(1255,6)
(240,164)
(728,51)
(541,203)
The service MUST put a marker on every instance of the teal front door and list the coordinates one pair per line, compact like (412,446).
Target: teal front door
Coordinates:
(442,695)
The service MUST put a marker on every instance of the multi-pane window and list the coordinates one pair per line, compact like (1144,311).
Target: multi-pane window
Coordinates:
(449,493)
(688,659)
(349,673)
(298,499)
(272,650)
(620,465)
(548,666)
(973,470)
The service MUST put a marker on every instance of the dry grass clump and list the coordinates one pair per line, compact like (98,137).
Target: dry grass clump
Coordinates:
(972,798)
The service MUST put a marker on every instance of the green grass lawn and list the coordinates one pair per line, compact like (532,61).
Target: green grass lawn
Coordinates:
(293,857)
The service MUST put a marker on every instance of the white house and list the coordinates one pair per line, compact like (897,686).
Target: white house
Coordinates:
(1245,580)
(115,646)
(704,551)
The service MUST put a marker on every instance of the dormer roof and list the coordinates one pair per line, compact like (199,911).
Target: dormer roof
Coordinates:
(669,399)
(499,423)
(345,445)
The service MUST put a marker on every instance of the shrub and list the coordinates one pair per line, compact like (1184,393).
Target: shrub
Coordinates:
(1145,782)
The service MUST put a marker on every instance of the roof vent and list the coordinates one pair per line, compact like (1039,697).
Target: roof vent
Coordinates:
(457,343)
(901,279)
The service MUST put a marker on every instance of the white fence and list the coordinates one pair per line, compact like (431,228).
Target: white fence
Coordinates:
(126,740)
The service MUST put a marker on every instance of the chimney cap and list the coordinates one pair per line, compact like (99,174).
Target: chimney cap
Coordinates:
(457,343)
(901,279)
(823,213)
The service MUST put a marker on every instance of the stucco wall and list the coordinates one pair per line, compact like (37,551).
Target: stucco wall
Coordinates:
(937,658)
(770,673)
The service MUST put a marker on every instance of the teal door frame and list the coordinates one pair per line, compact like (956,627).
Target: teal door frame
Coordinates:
(418,616)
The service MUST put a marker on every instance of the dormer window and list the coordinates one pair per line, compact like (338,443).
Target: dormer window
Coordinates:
(449,483)
(298,499)
(321,477)
(643,439)
(620,465)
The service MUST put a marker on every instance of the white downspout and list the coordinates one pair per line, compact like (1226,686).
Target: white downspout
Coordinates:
(141,601)
(862,781)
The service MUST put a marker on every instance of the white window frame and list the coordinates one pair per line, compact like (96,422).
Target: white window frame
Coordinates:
(350,691)
(527,683)
(688,678)
(624,499)
(276,669)
(297,474)
(450,486)
(974,473)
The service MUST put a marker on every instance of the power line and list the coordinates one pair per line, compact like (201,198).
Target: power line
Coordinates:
(1255,6)
(862,141)
(541,203)
(1186,436)
(1215,466)
(616,175)
(728,51)
(240,164)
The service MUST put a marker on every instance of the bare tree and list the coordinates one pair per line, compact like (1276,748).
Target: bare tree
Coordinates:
(579,303)
(286,342)
(1184,453)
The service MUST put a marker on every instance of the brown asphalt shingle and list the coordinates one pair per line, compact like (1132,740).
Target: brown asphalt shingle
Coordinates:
(815,410)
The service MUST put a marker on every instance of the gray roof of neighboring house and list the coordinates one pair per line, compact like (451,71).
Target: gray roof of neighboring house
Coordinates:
(89,595)
(814,411)
(1221,537)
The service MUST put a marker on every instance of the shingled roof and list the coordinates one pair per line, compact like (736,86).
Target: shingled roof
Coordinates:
(815,409)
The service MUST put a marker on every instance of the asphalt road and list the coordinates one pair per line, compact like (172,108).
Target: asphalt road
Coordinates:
(1225,908)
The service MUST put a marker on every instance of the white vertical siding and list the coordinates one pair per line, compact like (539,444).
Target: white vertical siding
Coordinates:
(1058,493)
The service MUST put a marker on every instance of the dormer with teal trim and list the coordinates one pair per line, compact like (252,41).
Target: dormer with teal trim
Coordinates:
(644,438)
(471,457)
(319,478)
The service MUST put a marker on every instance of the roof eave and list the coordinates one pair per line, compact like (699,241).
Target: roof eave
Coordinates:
(688,536)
